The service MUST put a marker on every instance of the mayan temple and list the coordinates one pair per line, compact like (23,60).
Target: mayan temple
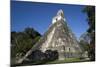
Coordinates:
(58,37)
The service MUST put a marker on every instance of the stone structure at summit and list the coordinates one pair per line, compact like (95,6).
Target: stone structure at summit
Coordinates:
(58,37)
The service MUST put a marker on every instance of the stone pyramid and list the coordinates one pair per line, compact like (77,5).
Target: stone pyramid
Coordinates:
(58,37)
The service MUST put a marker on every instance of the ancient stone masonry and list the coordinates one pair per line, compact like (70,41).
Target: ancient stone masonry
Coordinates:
(58,37)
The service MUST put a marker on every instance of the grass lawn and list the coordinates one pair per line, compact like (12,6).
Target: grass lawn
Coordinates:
(68,60)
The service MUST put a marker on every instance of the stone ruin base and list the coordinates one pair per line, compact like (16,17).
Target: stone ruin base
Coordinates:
(63,56)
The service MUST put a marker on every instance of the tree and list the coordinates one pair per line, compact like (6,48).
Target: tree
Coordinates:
(39,57)
(85,41)
(90,11)
(51,55)
(31,32)
(21,42)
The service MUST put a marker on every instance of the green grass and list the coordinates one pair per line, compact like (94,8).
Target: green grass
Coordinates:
(68,60)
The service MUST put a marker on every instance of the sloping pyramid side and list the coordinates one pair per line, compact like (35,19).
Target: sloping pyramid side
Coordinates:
(58,37)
